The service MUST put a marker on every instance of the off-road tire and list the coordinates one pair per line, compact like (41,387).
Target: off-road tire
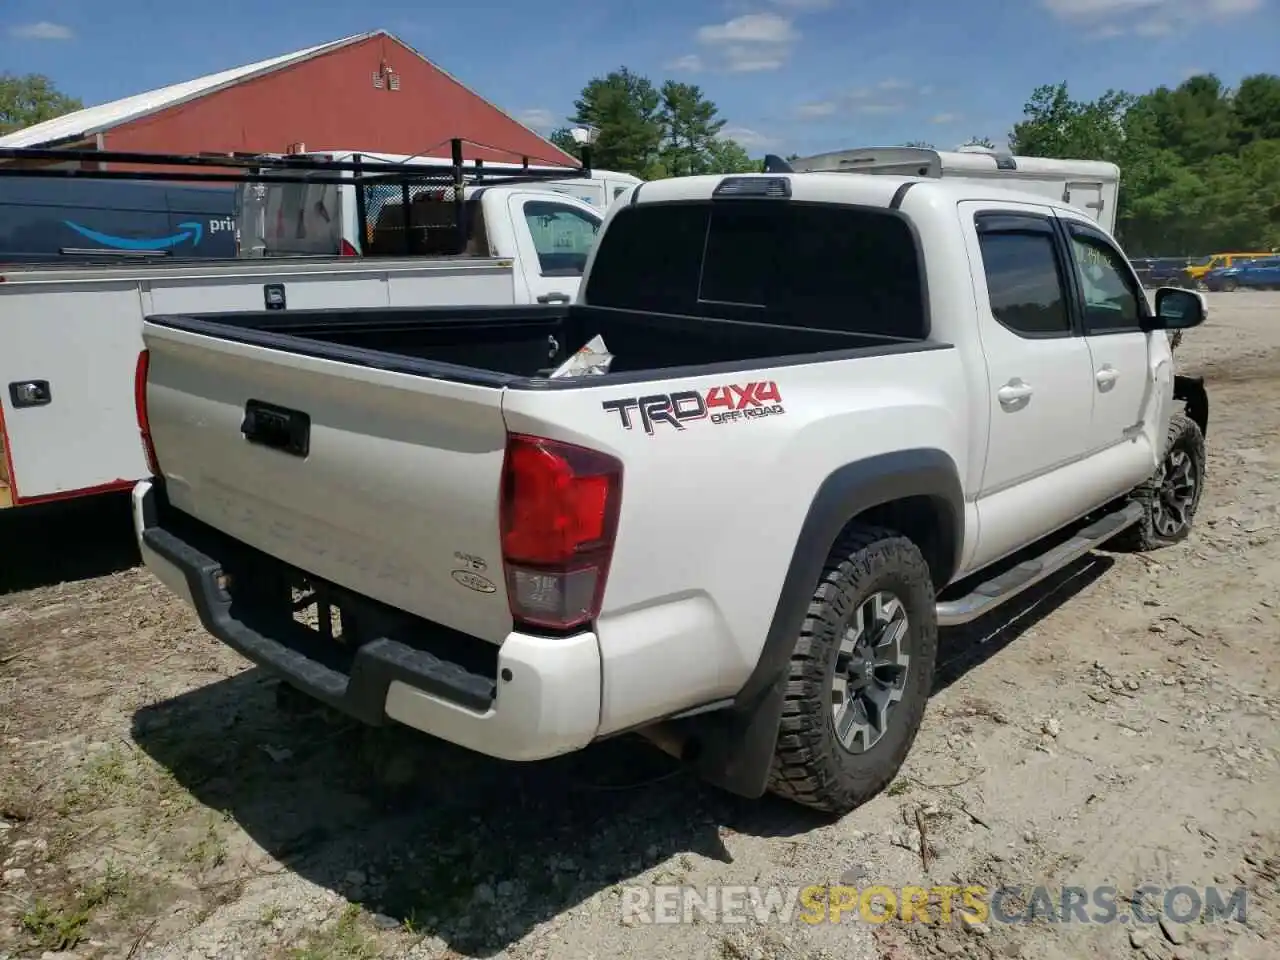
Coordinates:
(810,764)
(1183,435)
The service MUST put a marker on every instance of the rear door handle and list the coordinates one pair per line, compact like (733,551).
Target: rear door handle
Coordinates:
(1106,376)
(554,298)
(1014,391)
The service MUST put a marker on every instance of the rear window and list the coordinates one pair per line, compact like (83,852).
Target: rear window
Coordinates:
(811,265)
(290,219)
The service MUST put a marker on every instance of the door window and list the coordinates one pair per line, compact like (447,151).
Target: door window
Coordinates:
(562,236)
(1111,298)
(1024,283)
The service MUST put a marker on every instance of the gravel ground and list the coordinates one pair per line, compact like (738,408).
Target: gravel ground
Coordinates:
(161,798)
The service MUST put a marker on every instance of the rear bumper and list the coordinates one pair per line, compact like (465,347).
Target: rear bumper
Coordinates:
(538,697)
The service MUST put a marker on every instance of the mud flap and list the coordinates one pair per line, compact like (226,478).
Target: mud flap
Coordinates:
(733,749)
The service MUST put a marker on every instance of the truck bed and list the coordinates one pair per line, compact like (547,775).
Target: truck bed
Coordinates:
(519,346)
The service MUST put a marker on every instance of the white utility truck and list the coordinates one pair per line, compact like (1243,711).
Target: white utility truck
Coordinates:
(290,219)
(71,333)
(821,417)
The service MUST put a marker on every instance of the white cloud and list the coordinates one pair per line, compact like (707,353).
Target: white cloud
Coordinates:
(689,63)
(1228,7)
(750,59)
(879,108)
(538,118)
(750,28)
(811,111)
(1085,9)
(747,138)
(1109,19)
(751,42)
(887,96)
(944,118)
(43,30)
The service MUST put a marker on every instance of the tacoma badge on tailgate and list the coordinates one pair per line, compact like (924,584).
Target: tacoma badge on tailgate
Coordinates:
(727,404)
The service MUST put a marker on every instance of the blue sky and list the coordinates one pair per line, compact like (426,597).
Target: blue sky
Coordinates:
(788,75)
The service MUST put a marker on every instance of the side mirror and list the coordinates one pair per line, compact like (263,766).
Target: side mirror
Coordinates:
(1177,309)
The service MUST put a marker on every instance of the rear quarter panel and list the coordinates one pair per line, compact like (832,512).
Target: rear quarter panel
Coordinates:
(711,512)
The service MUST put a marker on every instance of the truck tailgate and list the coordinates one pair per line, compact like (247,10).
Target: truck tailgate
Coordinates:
(381,482)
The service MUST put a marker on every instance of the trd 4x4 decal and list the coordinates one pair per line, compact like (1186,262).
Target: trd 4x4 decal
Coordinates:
(728,404)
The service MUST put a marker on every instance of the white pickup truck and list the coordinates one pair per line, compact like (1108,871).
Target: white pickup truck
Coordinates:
(842,412)
(71,335)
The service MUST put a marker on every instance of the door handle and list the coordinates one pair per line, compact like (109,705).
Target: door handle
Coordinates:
(30,393)
(1014,391)
(554,298)
(1106,376)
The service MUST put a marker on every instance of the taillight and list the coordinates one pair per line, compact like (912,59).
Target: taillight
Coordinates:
(347,250)
(559,515)
(140,407)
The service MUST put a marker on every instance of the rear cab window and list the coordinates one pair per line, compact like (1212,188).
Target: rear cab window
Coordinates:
(821,266)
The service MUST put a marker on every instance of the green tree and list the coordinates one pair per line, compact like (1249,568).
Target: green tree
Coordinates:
(625,110)
(980,142)
(690,128)
(923,144)
(1057,126)
(1199,163)
(728,156)
(1257,108)
(31,99)
(653,133)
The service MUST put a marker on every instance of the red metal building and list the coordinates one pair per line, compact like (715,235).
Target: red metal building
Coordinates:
(369,92)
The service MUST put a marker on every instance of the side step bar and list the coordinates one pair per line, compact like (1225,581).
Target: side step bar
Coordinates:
(989,594)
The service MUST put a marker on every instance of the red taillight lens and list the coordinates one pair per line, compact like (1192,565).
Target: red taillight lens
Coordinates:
(140,407)
(559,515)
(347,250)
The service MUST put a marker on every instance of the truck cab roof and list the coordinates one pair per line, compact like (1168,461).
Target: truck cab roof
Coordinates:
(882,190)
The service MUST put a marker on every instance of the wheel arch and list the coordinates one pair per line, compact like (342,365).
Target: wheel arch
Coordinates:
(1191,391)
(916,492)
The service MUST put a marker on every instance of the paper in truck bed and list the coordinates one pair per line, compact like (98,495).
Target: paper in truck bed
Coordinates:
(593,357)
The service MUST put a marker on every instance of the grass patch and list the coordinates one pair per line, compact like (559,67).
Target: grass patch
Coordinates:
(62,926)
(345,940)
(209,851)
(899,787)
(105,778)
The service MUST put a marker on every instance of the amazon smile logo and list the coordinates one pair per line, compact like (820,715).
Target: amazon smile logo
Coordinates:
(190,231)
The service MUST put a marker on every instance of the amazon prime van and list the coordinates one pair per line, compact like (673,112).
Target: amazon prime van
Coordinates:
(96,221)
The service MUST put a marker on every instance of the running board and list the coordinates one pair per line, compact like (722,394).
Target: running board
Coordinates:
(989,594)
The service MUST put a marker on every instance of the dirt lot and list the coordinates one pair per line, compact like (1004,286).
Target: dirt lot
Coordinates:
(157,798)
